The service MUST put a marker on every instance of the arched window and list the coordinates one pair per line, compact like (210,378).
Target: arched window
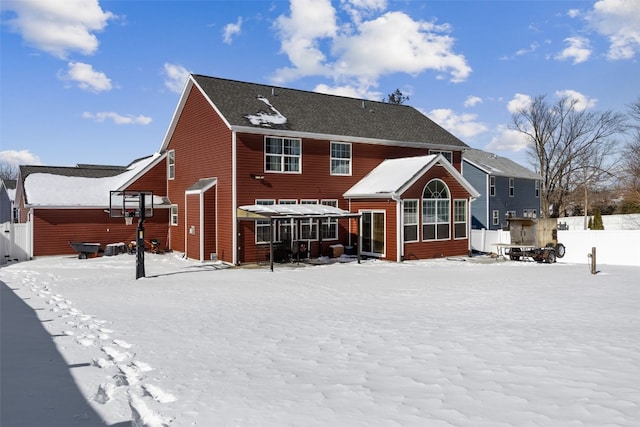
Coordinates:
(436,208)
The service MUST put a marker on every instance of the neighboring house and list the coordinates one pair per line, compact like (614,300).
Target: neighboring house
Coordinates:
(71,203)
(232,146)
(7,196)
(506,189)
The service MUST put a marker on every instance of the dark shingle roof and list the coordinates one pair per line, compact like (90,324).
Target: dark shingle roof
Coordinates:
(85,171)
(316,113)
(497,165)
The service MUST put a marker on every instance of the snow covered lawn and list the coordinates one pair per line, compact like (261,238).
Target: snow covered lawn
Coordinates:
(429,343)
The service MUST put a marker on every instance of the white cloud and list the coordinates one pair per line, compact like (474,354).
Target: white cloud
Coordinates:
(58,27)
(300,35)
(117,118)
(619,20)
(462,125)
(573,13)
(17,158)
(472,101)
(86,77)
(349,91)
(579,50)
(176,77)
(507,140)
(582,102)
(231,30)
(519,102)
(363,50)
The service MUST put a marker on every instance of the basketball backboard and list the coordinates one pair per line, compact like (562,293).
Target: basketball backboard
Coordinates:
(127,203)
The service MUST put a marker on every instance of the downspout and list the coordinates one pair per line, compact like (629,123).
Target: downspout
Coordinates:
(234,200)
(469,248)
(201,226)
(399,228)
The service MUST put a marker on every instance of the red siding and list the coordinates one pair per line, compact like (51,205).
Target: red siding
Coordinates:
(202,145)
(55,228)
(154,180)
(193,226)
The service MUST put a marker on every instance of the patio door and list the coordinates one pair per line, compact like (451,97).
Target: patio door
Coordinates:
(372,231)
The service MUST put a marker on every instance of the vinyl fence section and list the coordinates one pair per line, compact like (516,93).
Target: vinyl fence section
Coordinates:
(15,242)
(613,247)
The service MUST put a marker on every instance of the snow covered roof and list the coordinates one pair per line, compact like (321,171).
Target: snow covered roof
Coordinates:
(393,176)
(292,211)
(80,186)
(253,107)
(493,164)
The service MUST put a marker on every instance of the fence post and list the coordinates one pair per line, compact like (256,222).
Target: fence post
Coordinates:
(593,260)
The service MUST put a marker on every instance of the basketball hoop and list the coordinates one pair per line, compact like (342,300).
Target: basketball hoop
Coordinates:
(128,220)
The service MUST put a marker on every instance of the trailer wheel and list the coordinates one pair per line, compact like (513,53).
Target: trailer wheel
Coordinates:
(82,255)
(560,250)
(551,256)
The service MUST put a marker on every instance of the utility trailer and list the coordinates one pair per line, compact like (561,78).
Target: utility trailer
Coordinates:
(532,239)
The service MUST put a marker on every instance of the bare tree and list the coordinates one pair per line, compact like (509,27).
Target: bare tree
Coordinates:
(630,174)
(569,147)
(8,171)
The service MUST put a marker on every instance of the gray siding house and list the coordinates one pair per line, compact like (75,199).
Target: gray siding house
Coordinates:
(506,189)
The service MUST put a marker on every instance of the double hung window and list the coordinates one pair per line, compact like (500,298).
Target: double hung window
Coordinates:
(282,155)
(340,158)
(410,208)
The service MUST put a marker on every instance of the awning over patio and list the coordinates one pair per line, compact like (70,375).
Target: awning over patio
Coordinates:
(294,211)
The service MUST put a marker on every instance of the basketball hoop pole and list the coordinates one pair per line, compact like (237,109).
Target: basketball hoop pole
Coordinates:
(140,240)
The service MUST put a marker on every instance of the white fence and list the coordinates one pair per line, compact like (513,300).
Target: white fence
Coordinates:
(15,242)
(613,247)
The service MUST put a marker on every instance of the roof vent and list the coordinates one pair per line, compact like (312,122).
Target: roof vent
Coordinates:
(273,91)
(363,104)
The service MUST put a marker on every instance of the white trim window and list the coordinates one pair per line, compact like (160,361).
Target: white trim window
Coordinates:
(460,219)
(436,211)
(308,227)
(263,227)
(330,225)
(492,186)
(282,155)
(174,214)
(529,213)
(410,218)
(537,188)
(446,154)
(340,158)
(171,164)
(512,187)
(495,217)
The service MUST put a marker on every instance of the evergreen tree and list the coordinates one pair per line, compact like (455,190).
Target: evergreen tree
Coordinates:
(597,220)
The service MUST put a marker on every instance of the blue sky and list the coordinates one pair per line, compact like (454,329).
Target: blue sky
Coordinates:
(88,81)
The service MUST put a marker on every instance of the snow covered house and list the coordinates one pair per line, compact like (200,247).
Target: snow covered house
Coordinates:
(67,204)
(506,189)
(313,161)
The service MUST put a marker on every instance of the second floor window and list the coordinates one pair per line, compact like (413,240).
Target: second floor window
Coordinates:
(282,155)
(492,185)
(171,164)
(511,187)
(340,158)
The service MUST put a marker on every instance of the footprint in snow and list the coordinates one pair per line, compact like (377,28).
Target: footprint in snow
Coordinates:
(122,344)
(158,394)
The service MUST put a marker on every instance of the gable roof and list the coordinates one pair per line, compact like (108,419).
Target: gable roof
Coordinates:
(393,177)
(78,186)
(10,187)
(266,109)
(493,164)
